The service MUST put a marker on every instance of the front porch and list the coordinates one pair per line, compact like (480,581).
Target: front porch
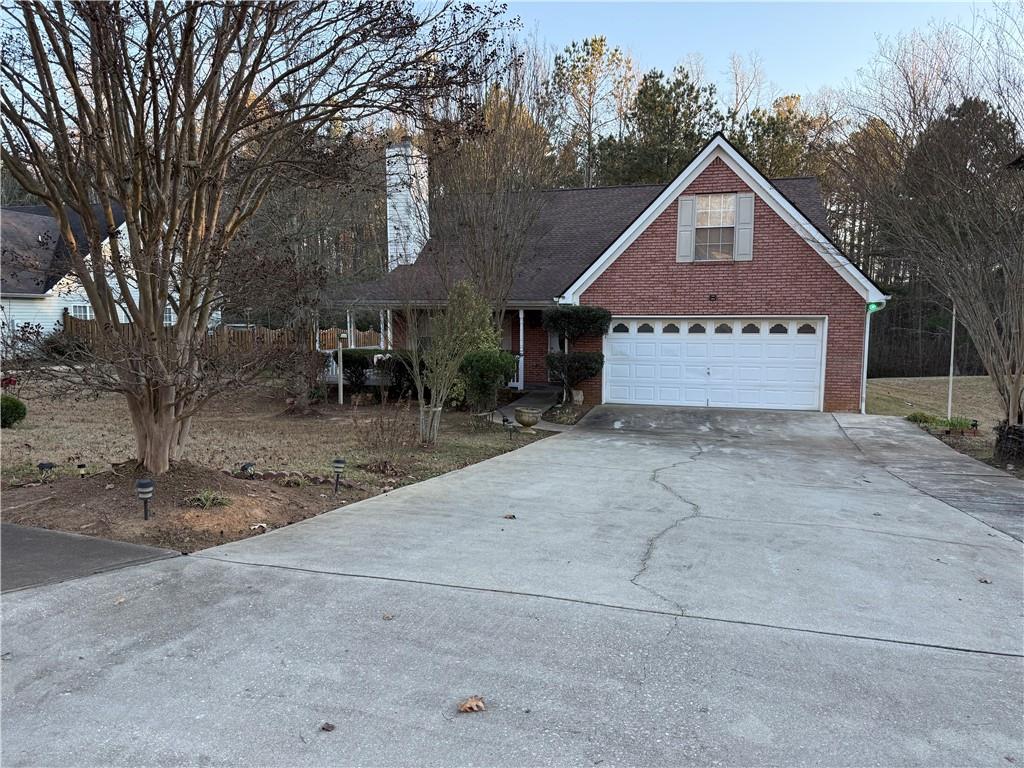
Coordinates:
(523,335)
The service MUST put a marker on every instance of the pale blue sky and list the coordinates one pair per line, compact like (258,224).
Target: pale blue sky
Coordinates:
(803,46)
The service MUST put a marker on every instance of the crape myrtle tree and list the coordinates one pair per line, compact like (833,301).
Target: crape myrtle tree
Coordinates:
(185,114)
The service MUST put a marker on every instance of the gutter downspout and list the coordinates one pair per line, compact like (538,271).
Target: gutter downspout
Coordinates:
(864,365)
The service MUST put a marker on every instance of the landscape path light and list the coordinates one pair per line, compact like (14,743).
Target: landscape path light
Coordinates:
(339,466)
(144,490)
(81,471)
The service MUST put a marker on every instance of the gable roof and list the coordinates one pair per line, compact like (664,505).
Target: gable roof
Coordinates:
(815,235)
(34,255)
(575,228)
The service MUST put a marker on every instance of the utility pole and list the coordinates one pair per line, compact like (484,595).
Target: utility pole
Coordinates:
(952,349)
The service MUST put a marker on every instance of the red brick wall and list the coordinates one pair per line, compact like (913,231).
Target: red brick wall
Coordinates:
(536,348)
(785,277)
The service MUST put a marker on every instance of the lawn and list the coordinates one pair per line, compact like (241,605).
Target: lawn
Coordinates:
(973,397)
(246,427)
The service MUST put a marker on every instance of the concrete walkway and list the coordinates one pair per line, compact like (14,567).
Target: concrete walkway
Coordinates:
(33,556)
(929,465)
(677,587)
(540,398)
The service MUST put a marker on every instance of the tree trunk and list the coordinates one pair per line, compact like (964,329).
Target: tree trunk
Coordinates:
(156,442)
(430,424)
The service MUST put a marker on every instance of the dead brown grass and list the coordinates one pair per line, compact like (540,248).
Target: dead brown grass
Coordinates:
(249,427)
(973,397)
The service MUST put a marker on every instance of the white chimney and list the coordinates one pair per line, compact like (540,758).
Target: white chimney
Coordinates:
(408,222)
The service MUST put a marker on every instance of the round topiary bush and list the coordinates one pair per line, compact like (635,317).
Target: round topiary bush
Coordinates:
(12,410)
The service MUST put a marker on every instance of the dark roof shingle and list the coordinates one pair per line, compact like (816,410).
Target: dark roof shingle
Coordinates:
(574,228)
(34,255)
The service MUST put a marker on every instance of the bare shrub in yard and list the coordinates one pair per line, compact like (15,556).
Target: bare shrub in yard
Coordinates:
(384,434)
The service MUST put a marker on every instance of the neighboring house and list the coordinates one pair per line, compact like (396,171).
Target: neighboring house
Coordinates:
(725,288)
(35,285)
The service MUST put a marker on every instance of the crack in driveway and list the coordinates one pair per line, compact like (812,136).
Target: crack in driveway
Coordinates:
(652,542)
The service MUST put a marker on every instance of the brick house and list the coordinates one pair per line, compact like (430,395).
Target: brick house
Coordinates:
(725,287)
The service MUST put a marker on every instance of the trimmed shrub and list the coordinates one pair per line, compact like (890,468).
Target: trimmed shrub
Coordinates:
(484,372)
(394,368)
(12,410)
(355,365)
(575,322)
(570,368)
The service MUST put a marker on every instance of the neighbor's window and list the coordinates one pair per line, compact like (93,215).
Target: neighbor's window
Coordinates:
(168,316)
(716,227)
(82,312)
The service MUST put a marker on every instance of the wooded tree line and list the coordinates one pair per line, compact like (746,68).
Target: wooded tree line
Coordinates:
(622,127)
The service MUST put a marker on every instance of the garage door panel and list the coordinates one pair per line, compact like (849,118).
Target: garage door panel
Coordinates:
(748,374)
(670,395)
(728,370)
(618,370)
(645,349)
(620,349)
(804,375)
(670,372)
(644,392)
(673,350)
(645,371)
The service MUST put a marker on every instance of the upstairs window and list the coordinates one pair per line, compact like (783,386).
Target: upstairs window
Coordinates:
(715,227)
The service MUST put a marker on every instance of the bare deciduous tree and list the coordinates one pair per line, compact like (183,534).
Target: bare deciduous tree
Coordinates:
(185,114)
(954,208)
(488,188)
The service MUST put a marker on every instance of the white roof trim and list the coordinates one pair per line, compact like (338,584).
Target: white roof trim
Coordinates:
(720,148)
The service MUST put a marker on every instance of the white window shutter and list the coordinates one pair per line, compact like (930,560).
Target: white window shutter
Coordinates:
(744,249)
(684,233)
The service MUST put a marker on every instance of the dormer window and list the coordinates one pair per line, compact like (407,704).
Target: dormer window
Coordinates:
(715,227)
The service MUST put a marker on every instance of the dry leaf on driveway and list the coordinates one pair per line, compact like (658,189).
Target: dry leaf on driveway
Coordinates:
(472,704)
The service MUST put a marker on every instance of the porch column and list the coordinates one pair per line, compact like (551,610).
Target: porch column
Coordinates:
(522,352)
(382,330)
(390,338)
(349,328)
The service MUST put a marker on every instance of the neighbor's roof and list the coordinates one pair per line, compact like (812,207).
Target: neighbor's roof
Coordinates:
(575,227)
(34,255)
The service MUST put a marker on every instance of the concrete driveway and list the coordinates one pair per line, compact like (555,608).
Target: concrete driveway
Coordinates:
(677,587)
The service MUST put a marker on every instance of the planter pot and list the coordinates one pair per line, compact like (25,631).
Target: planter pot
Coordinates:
(528,417)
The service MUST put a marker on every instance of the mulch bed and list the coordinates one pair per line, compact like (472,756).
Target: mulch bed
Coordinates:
(566,414)
(104,504)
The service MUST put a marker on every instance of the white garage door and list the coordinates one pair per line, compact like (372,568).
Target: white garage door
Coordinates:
(720,362)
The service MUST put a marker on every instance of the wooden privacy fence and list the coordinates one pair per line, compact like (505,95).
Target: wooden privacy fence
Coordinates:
(329,338)
(224,336)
